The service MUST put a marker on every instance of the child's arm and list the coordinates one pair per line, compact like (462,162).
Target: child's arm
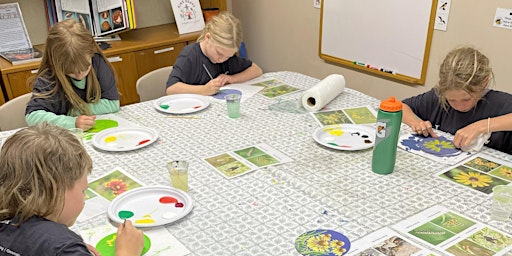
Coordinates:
(104,106)
(129,241)
(40,116)
(249,73)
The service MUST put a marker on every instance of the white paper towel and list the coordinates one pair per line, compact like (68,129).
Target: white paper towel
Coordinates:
(322,93)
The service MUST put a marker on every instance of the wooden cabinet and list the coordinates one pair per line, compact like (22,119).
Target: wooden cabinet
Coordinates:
(138,52)
(125,68)
(157,57)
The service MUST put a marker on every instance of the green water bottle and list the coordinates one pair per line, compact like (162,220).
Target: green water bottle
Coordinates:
(389,120)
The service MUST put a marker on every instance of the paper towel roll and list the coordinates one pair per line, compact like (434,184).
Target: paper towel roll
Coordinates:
(322,93)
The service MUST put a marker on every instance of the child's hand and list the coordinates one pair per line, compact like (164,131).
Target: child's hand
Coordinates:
(85,122)
(423,128)
(93,250)
(129,240)
(212,87)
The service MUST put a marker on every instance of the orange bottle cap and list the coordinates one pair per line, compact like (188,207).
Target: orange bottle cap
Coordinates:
(391,105)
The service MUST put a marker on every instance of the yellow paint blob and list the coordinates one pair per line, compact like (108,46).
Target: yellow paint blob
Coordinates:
(110,139)
(336,132)
(145,221)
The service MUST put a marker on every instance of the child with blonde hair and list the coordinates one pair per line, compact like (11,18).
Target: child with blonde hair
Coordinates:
(75,81)
(43,176)
(463,104)
(204,67)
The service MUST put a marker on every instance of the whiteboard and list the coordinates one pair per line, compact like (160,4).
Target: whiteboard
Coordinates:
(389,38)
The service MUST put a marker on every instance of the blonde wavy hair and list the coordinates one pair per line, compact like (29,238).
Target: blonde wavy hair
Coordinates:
(467,69)
(37,165)
(225,30)
(69,49)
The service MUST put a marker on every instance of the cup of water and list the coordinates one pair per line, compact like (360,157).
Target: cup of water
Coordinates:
(501,207)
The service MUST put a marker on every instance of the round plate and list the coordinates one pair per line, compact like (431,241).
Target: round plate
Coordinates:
(124,139)
(322,242)
(440,146)
(182,103)
(223,92)
(345,136)
(150,206)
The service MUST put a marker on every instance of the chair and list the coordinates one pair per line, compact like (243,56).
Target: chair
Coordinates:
(242,52)
(12,113)
(152,85)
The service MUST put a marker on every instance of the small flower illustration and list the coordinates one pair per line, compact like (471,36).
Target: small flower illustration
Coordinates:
(474,179)
(437,145)
(318,243)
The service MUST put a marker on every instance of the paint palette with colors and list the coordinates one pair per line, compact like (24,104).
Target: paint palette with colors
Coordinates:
(182,103)
(124,138)
(345,136)
(150,206)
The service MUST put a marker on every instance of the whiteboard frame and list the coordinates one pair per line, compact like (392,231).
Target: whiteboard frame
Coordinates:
(396,43)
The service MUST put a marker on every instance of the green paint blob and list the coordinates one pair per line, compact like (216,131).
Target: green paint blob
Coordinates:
(103,124)
(125,214)
(164,106)
(334,144)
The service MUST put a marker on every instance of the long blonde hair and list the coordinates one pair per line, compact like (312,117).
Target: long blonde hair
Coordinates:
(225,30)
(464,68)
(69,49)
(37,165)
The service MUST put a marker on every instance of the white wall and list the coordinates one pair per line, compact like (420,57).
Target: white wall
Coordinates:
(283,35)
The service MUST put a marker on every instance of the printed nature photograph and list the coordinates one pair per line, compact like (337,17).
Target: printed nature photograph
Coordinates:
(361,115)
(431,233)
(473,179)
(504,172)
(227,165)
(332,117)
(276,91)
(396,246)
(491,239)
(269,83)
(482,164)
(257,156)
(453,222)
(467,247)
(113,185)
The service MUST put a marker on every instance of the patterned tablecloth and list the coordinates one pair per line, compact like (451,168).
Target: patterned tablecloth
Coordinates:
(263,212)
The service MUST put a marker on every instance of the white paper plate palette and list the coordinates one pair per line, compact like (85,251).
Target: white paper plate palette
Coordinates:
(345,136)
(182,103)
(150,206)
(124,138)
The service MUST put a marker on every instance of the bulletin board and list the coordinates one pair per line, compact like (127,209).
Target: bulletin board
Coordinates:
(387,38)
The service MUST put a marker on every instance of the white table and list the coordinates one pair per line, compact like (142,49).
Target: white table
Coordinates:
(262,212)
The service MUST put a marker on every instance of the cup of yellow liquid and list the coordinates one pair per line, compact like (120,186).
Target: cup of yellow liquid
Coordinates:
(178,172)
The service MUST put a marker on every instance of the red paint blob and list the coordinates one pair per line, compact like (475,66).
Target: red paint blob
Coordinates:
(197,106)
(178,205)
(142,142)
(168,200)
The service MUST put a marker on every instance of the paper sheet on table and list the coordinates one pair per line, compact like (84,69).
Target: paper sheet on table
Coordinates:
(414,143)
(453,233)
(246,90)
(162,242)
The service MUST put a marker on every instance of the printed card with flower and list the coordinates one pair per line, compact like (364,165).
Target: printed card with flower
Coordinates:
(480,173)
(440,149)
(386,241)
(104,189)
(452,233)
(358,115)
